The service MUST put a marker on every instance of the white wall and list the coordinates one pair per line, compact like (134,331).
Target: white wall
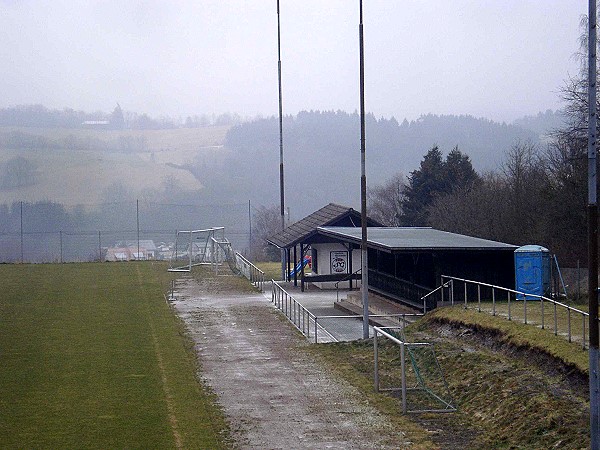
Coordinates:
(324,263)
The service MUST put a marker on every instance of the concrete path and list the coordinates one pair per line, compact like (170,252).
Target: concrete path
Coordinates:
(274,394)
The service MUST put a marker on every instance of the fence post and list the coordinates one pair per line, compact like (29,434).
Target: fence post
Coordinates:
(508,298)
(61,246)
(442,290)
(465,295)
(493,301)
(569,321)
(555,321)
(376,359)
(403,371)
(583,321)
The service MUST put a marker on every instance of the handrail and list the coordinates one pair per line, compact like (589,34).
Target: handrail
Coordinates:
(399,287)
(337,283)
(297,313)
(441,286)
(309,324)
(525,295)
(254,274)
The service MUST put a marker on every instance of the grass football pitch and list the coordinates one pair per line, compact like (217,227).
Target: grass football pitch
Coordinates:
(91,356)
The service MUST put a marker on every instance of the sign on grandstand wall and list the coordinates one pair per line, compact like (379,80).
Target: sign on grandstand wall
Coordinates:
(339,261)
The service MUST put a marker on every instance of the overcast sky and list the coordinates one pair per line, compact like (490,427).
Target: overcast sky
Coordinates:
(499,59)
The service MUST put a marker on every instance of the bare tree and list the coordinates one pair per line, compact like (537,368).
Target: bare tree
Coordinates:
(386,200)
(525,176)
(476,211)
(266,223)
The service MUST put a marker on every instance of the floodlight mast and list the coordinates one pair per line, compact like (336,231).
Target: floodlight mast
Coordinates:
(281,185)
(593,230)
(363,185)
(281,188)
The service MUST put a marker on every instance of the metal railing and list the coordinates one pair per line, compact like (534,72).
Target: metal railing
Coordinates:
(400,288)
(305,321)
(383,331)
(440,287)
(250,271)
(530,308)
(311,325)
(337,283)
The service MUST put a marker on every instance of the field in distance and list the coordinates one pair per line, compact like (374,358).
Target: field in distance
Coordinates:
(76,166)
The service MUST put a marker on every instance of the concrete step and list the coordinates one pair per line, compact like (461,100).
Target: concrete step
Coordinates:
(380,305)
(353,309)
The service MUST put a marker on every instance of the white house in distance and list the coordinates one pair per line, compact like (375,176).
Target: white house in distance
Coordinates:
(128,251)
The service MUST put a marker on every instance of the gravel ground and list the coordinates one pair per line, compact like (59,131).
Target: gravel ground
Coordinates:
(274,395)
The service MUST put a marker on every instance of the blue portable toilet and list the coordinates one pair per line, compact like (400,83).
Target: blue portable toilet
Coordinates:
(532,270)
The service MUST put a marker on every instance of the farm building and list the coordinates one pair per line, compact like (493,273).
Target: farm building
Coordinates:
(128,251)
(404,262)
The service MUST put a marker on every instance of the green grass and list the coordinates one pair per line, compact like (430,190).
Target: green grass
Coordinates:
(92,357)
(272,270)
(559,319)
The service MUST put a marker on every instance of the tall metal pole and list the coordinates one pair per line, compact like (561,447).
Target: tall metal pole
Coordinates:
(137,220)
(281,189)
(363,185)
(21,232)
(593,231)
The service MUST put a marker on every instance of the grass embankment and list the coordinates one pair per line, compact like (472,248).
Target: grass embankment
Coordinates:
(518,335)
(92,357)
(506,397)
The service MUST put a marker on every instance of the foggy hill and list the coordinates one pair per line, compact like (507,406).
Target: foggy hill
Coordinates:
(542,123)
(322,157)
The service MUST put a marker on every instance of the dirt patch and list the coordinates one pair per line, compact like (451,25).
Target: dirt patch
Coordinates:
(274,394)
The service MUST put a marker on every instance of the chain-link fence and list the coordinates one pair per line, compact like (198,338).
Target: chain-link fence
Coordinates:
(48,232)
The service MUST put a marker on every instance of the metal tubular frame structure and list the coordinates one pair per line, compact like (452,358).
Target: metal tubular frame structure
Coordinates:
(381,331)
(209,233)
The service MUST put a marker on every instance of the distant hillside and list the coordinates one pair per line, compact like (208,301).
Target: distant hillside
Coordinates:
(322,157)
(542,123)
(78,166)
